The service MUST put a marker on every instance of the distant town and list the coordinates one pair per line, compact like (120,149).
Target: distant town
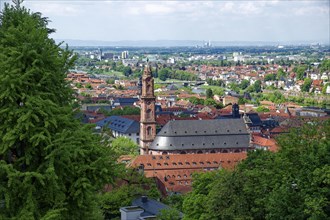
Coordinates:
(257,93)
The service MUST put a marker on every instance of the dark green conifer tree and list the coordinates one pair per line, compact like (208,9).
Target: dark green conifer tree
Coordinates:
(51,167)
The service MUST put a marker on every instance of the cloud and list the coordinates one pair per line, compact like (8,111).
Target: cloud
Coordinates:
(56,9)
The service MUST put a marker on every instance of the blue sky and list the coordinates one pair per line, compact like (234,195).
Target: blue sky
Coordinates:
(242,20)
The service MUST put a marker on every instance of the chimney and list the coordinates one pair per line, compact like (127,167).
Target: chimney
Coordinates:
(144,199)
(130,212)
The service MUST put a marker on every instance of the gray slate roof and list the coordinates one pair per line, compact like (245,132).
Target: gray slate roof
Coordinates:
(120,124)
(202,134)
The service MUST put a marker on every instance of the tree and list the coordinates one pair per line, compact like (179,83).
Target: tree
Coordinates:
(169,214)
(244,84)
(51,167)
(270,77)
(290,184)
(257,86)
(325,66)
(163,74)
(124,146)
(209,93)
(262,109)
(307,85)
(300,72)
(129,185)
(281,74)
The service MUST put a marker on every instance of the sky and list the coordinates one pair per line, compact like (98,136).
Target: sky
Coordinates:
(240,20)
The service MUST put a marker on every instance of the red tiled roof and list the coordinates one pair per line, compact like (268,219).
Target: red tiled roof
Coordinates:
(175,171)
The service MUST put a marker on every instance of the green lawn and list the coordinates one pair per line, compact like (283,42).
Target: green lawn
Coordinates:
(216,89)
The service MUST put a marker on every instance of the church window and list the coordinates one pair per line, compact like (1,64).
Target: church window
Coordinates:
(164,153)
(166,164)
(187,163)
(199,152)
(149,130)
(158,164)
(212,152)
(180,163)
(183,152)
(149,164)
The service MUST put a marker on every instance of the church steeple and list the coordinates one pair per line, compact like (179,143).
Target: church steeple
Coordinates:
(148,118)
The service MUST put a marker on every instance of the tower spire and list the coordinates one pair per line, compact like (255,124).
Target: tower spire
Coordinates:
(148,118)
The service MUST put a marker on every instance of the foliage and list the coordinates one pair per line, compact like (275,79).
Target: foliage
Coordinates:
(169,214)
(175,201)
(209,93)
(262,109)
(257,86)
(163,74)
(196,101)
(300,70)
(325,66)
(217,90)
(126,110)
(214,82)
(88,86)
(307,85)
(110,81)
(244,84)
(290,184)
(270,77)
(124,146)
(130,185)
(51,167)
(281,74)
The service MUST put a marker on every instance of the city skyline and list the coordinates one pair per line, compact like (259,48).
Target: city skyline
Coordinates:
(275,21)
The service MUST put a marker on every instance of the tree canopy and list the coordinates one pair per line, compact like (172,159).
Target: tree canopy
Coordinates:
(290,184)
(51,167)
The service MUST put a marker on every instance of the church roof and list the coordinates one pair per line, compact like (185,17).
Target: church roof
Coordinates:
(202,134)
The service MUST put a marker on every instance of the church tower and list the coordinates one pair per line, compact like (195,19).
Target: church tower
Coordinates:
(148,118)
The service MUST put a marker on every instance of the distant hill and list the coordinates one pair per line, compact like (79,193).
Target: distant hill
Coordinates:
(173,43)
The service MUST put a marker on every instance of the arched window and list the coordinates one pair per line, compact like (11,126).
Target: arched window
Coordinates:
(199,152)
(212,152)
(149,130)
(183,152)
(164,153)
